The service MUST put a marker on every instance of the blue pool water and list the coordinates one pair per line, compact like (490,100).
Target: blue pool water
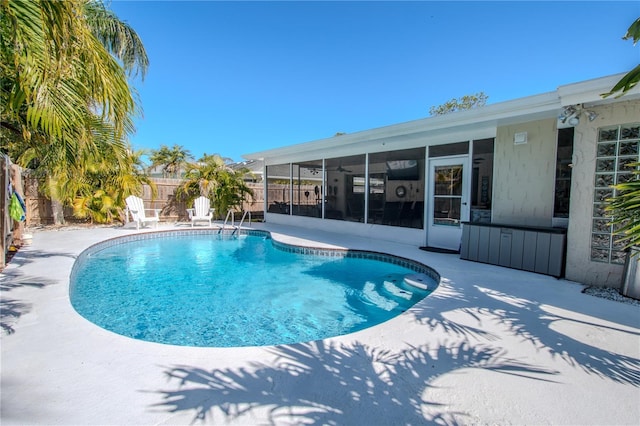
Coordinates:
(219,291)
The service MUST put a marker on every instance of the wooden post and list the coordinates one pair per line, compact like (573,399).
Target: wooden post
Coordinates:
(57,210)
(4,209)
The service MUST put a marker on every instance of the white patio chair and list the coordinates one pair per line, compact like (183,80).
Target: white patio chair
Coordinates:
(135,206)
(201,211)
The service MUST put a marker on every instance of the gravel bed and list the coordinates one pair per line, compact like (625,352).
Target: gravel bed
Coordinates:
(611,294)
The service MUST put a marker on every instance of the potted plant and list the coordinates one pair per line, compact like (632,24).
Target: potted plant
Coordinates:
(624,208)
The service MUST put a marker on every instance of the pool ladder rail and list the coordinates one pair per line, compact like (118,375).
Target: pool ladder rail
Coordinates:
(231,214)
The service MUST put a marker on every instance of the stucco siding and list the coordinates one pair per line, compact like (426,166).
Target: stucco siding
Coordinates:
(579,266)
(524,174)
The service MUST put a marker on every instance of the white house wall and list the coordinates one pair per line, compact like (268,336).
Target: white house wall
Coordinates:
(579,266)
(523,182)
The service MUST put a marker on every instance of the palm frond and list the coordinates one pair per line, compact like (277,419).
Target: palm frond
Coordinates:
(624,209)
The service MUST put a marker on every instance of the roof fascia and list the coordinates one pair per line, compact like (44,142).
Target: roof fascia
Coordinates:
(490,115)
(454,123)
(590,91)
(436,128)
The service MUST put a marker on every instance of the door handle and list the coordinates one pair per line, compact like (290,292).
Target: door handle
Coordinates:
(464,204)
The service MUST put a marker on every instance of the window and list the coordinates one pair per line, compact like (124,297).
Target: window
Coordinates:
(482,180)
(345,188)
(447,195)
(307,189)
(278,188)
(458,148)
(396,188)
(617,147)
(355,198)
(563,173)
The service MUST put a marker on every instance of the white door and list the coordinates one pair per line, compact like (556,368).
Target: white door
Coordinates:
(448,205)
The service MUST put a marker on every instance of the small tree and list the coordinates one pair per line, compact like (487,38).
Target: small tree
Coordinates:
(466,102)
(101,192)
(212,177)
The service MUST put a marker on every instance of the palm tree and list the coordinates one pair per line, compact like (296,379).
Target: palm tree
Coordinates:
(171,159)
(212,177)
(58,68)
(624,209)
(56,73)
(65,99)
(104,189)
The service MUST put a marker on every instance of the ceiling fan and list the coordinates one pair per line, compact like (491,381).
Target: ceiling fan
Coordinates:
(341,169)
(316,170)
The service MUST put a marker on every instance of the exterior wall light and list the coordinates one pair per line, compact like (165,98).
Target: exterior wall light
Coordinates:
(520,138)
(567,113)
(571,115)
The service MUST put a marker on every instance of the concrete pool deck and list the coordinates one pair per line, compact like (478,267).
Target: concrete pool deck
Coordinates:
(490,346)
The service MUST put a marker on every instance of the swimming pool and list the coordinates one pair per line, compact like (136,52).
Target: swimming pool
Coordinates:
(202,288)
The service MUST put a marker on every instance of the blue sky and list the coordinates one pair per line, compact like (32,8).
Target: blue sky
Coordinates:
(232,78)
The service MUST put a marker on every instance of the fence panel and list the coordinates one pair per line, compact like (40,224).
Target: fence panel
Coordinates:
(39,210)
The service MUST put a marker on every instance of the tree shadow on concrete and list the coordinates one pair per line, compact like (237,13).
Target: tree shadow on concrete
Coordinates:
(13,278)
(26,257)
(447,290)
(324,383)
(537,322)
(10,311)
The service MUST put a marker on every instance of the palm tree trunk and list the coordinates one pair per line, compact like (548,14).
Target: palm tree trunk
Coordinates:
(57,212)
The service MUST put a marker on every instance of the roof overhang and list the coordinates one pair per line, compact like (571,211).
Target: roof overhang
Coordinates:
(463,125)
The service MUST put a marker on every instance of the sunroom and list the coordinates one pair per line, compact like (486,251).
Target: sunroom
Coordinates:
(529,162)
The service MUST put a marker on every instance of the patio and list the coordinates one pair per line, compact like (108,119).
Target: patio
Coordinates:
(489,346)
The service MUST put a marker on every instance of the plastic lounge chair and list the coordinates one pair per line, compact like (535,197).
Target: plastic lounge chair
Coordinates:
(137,210)
(201,211)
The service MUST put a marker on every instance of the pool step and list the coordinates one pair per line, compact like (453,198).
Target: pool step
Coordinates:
(421,281)
(371,293)
(392,288)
